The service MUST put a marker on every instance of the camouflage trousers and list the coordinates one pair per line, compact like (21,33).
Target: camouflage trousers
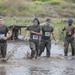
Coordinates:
(69,40)
(3,49)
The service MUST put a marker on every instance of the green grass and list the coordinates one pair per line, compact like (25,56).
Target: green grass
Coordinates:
(20,20)
(52,2)
(17,21)
(37,8)
(56,23)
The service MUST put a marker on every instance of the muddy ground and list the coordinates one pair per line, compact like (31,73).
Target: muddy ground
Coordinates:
(18,64)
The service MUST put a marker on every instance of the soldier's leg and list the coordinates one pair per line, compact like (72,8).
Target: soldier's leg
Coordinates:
(36,51)
(16,34)
(0,52)
(32,47)
(72,46)
(37,47)
(48,47)
(4,50)
(13,36)
(42,47)
(66,44)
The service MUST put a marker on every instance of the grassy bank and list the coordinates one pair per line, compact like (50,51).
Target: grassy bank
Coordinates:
(38,8)
(58,24)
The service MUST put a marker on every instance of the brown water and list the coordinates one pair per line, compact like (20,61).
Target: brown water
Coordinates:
(18,64)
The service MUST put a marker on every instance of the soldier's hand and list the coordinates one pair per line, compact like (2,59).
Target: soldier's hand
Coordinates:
(73,36)
(5,38)
(32,31)
(70,33)
(56,43)
(23,37)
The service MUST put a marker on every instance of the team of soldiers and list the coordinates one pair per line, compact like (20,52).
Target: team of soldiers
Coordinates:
(45,31)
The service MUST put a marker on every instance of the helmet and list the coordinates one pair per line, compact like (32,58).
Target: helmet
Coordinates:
(70,20)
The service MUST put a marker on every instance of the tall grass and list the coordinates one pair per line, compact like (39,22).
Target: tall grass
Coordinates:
(58,24)
(52,2)
(37,8)
(20,8)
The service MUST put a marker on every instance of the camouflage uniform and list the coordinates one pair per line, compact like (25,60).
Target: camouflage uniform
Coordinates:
(69,39)
(15,32)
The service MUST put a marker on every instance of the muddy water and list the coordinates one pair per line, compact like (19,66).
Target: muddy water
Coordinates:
(18,64)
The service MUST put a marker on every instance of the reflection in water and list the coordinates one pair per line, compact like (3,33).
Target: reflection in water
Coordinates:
(69,71)
(2,71)
(23,71)
(69,67)
(39,71)
(55,65)
(22,51)
(18,71)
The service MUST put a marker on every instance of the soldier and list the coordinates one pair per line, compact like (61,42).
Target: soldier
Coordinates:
(35,31)
(47,30)
(3,38)
(69,38)
(15,32)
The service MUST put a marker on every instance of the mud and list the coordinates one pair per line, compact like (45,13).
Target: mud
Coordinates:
(18,64)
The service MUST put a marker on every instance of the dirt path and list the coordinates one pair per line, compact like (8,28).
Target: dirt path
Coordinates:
(57,64)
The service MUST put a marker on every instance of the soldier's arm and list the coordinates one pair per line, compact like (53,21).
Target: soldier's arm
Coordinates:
(37,33)
(28,28)
(63,30)
(25,33)
(20,31)
(54,36)
(74,33)
(9,34)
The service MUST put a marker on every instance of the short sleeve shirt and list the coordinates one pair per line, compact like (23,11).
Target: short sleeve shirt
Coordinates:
(3,31)
(47,30)
(35,29)
(69,29)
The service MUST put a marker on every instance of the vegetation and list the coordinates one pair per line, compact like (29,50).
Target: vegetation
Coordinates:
(58,24)
(38,8)
(52,2)
(23,11)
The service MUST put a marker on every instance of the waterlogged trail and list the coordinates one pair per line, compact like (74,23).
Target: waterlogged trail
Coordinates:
(18,64)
